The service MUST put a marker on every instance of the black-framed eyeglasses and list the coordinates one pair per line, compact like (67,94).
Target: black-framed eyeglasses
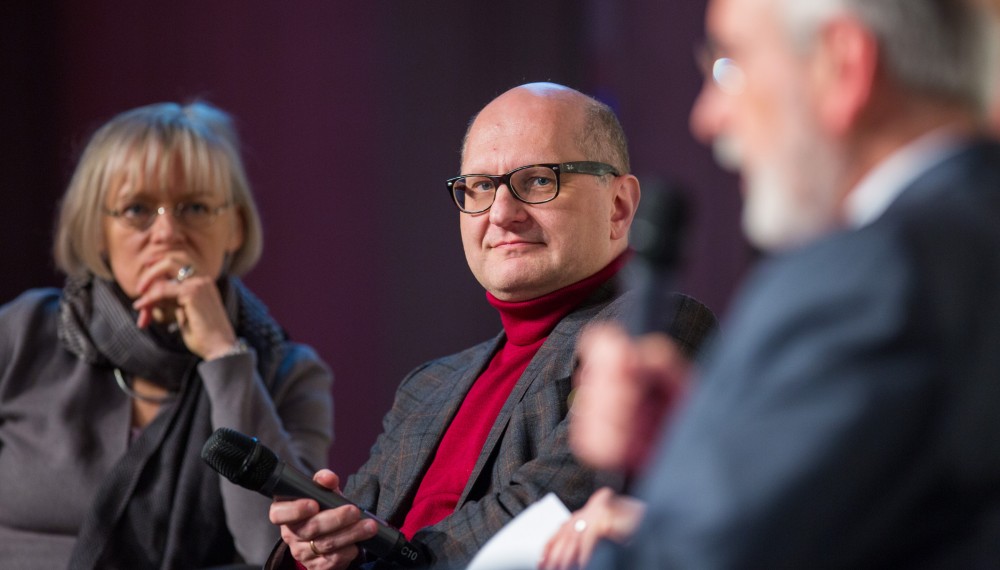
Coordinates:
(191,215)
(531,184)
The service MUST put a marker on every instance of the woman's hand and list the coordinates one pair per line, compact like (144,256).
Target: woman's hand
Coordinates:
(605,516)
(193,303)
(322,540)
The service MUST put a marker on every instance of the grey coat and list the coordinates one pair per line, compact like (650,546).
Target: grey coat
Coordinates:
(64,424)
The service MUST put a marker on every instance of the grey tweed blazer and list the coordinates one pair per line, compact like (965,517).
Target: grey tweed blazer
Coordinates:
(526,454)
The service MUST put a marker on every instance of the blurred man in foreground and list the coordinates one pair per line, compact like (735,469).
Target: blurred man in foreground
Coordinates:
(848,417)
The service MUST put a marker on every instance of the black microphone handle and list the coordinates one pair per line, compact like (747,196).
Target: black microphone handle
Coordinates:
(654,303)
(288,482)
(656,237)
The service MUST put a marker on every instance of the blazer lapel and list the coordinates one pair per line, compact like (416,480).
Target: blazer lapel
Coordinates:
(553,360)
(426,435)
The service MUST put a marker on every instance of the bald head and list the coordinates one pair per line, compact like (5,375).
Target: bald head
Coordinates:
(591,125)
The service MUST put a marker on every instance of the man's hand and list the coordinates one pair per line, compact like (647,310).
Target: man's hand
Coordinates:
(322,540)
(624,390)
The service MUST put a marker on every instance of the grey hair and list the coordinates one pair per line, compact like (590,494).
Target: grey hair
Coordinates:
(155,143)
(937,47)
(602,137)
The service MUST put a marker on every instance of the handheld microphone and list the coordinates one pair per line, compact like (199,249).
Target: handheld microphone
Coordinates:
(656,238)
(248,463)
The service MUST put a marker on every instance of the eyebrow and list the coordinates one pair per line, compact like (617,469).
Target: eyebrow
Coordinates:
(146,191)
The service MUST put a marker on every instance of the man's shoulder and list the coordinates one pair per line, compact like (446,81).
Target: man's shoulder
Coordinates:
(462,358)
(607,304)
(838,277)
(457,362)
(946,218)
(952,205)
(956,199)
(687,320)
(941,227)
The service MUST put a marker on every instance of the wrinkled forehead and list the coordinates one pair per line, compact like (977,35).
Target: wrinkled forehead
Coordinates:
(157,169)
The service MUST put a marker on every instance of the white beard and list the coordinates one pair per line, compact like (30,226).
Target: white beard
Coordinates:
(791,198)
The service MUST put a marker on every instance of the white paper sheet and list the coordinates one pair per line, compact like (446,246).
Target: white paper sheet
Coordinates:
(519,544)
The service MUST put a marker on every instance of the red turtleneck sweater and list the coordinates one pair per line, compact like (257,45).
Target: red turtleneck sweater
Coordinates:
(527,324)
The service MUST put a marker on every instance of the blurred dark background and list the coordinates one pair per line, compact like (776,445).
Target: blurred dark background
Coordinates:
(351,114)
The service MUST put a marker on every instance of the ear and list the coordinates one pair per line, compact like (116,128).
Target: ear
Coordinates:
(623,205)
(846,68)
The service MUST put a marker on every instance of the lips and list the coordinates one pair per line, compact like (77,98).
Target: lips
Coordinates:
(513,244)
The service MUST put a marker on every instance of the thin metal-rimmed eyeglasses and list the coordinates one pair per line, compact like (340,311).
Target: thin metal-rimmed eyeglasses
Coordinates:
(192,215)
(531,184)
(725,72)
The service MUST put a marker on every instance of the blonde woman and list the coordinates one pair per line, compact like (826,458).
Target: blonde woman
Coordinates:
(110,386)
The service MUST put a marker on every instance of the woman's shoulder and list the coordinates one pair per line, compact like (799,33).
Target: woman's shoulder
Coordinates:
(31,304)
(298,354)
(30,318)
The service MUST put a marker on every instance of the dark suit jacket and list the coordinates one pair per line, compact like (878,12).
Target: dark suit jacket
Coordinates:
(850,417)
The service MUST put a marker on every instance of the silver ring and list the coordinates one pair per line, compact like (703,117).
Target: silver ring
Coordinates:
(184,272)
(580,525)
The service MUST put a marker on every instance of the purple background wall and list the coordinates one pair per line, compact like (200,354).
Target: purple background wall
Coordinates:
(351,115)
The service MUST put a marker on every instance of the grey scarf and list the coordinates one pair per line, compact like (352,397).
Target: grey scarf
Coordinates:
(159,506)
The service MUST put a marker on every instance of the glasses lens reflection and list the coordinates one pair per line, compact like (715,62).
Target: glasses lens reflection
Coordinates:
(728,76)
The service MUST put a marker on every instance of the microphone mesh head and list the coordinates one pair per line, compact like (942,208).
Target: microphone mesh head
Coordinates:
(239,458)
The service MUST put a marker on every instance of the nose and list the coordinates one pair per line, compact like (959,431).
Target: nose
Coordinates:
(165,226)
(709,112)
(506,208)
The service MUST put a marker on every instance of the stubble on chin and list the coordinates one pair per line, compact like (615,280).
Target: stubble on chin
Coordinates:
(513,278)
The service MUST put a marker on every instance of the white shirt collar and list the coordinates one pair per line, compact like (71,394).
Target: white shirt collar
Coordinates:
(884,183)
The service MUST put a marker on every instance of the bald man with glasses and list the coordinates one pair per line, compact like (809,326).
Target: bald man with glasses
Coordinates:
(475,437)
